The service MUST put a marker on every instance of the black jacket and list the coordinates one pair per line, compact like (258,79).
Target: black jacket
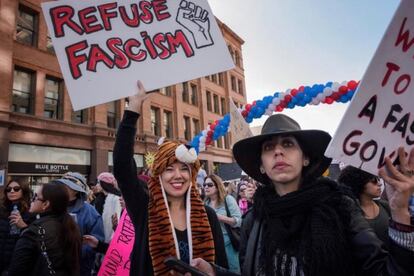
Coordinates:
(136,197)
(369,254)
(7,241)
(27,257)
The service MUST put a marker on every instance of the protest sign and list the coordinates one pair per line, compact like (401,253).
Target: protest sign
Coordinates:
(104,47)
(380,117)
(117,261)
(240,129)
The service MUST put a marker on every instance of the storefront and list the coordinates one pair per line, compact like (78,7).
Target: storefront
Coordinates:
(139,160)
(41,164)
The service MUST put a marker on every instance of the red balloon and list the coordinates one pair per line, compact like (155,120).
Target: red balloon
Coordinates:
(329,100)
(301,88)
(208,141)
(335,96)
(342,90)
(244,113)
(253,103)
(248,107)
(210,133)
(352,85)
(294,92)
(279,108)
(213,126)
(288,98)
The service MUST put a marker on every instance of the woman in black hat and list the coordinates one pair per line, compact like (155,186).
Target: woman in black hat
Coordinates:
(302,223)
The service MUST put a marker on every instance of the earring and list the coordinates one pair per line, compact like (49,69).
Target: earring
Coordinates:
(306,163)
(262,170)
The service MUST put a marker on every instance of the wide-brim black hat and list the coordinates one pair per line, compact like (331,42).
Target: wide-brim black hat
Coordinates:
(247,152)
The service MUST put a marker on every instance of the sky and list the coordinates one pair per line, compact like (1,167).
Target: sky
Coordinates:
(289,43)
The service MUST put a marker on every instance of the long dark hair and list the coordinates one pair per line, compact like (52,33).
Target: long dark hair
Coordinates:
(24,202)
(70,237)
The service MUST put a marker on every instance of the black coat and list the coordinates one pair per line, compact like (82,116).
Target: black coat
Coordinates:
(7,241)
(136,197)
(27,257)
(369,254)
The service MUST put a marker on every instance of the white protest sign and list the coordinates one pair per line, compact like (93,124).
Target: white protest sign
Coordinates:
(380,117)
(239,127)
(104,47)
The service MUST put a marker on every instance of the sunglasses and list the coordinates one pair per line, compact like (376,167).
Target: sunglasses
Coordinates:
(16,189)
(210,185)
(36,197)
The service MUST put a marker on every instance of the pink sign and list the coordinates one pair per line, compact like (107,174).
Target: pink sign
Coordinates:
(116,261)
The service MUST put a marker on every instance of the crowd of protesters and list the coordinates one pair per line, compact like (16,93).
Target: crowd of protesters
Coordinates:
(282,218)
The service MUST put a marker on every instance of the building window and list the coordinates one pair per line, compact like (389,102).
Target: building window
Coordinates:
(166,91)
(233,84)
(155,121)
(194,98)
(196,127)
(220,142)
(80,116)
(23,94)
(214,78)
(53,98)
(168,124)
(231,52)
(209,106)
(221,79)
(237,58)
(112,114)
(49,45)
(240,86)
(226,141)
(187,128)
(216,104)
(26,26)
(223,106)
(186,97)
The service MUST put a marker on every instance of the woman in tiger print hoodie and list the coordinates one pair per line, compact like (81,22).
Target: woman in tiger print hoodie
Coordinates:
(168,215)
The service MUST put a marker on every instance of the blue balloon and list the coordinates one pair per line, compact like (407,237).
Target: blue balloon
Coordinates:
(294,100)
(290,105)
(329,84)
(249,120)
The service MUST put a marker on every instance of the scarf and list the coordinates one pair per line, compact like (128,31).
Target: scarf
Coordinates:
(162,239)
(304,230)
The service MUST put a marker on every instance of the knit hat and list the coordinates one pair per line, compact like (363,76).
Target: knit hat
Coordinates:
(108,183)
(162,238)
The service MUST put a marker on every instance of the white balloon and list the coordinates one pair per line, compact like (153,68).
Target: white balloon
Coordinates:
(204,132)
(335,86)
(315,101)
(271,107)
(320,96)
(344,83)
(327,91)
(268,112)
(203,139)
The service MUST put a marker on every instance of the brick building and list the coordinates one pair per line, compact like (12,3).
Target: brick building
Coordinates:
(41,136)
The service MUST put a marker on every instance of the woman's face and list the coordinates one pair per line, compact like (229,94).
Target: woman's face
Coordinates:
(209,187)
(283,160)
(373,188)
(14,191)
(176,179)
(37,205)
(242,190)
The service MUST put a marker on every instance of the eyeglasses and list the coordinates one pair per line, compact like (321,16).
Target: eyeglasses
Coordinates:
(15,188)
(210,185)
(36,197)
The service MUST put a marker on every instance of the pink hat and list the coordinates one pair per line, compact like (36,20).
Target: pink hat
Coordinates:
(108,177)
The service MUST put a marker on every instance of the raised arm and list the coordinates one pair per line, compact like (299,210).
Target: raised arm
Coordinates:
(133,190)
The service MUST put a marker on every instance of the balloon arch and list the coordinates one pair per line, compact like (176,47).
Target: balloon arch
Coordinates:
(313,95)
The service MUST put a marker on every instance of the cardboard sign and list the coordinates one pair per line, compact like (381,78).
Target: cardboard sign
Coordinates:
(104,47)
(380,117)
(240,129)
(117,261)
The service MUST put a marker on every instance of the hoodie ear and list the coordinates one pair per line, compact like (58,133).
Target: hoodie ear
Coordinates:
(188,156)
(160,141)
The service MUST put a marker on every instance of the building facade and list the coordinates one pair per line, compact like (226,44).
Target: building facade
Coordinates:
(41,137)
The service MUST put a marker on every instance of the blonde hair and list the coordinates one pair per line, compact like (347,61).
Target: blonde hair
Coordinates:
(220,187)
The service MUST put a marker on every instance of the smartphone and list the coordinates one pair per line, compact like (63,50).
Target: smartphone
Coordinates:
(182,267)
